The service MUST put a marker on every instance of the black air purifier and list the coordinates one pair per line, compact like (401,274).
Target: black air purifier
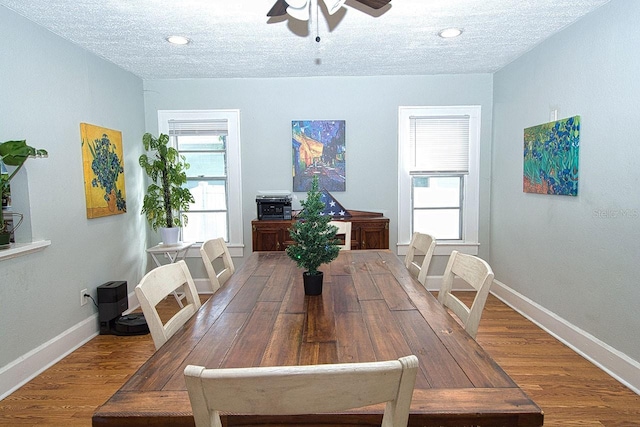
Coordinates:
(112,302)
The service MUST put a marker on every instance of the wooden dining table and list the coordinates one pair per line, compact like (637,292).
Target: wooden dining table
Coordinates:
(370,309)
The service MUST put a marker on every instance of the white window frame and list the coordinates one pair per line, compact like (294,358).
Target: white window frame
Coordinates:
(234,173)
(470,208)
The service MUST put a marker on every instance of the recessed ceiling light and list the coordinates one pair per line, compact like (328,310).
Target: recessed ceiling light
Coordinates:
(178,40)
(448,33)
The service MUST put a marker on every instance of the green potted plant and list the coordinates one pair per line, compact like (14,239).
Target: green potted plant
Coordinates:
(166,195)
(13,153)
(315,240)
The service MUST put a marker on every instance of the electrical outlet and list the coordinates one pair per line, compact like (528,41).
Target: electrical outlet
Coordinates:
(83,299)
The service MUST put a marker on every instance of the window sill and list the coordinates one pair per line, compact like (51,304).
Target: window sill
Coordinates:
(20,249)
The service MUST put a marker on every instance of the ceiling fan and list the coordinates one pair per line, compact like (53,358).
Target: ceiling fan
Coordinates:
(299,9)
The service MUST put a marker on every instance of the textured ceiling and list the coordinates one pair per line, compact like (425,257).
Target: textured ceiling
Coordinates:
(235,39)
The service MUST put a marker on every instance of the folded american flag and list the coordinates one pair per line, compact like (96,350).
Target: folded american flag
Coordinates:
(331,206)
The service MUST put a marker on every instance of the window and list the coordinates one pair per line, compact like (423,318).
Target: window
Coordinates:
(438,175)
(210,142)
(437,205)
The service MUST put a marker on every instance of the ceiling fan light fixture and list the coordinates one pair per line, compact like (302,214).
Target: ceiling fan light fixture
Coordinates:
(298,9)
(449,33)
(180,40)
(333,5)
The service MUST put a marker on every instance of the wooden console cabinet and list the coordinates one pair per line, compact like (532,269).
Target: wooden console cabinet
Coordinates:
(369,230)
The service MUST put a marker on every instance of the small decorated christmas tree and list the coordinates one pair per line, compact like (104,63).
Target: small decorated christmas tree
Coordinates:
(315,239)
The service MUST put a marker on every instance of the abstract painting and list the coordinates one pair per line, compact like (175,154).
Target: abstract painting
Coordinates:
(319,149)
(103,167)
(551,157)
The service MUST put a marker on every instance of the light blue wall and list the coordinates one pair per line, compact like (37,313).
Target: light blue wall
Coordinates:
(48,86)
(368,104)
(581,257)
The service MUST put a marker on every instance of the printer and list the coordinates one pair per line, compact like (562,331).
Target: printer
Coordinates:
(273,206)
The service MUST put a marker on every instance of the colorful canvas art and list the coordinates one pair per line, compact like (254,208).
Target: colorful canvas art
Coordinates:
(103,167)
(551,157)
(319,149)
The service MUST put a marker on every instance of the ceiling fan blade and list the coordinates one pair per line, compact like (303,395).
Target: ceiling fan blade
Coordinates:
(278,9)
(374,4)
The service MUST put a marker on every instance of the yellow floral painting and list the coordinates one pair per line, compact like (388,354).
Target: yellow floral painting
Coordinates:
(103,167)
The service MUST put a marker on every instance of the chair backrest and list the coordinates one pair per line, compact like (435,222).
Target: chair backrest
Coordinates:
(422,244)
(217,261)
(300,390)
(344,227)
(477,273)
(154,287)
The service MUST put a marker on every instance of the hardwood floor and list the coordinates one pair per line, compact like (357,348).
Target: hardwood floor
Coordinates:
(570,390)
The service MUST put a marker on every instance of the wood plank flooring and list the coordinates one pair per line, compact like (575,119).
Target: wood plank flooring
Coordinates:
(570,390)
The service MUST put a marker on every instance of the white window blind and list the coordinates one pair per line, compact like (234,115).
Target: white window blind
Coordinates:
(197,127)
(439,144)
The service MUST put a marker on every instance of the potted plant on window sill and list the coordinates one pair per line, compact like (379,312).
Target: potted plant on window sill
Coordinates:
(315,240)
(166,200)
(13,153)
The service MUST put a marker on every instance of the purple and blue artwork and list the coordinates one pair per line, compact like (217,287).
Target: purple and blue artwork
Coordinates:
(318,149)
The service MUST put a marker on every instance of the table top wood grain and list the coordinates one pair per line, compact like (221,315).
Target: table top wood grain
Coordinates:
(370,309)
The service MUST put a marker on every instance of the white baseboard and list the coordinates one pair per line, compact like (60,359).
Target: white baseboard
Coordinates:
(615,363)
(434,283)
(28,366)
(25,368)
(203,286)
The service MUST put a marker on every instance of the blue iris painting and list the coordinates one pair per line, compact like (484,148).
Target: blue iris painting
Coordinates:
(551,157)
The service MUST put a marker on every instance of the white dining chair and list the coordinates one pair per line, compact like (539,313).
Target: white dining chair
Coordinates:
(344,227)
(154,287)
(422,244)
(477,273)
(217,261)
(299,390)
